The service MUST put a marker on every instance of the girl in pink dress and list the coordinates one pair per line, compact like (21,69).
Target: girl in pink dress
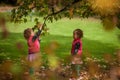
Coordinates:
(33,47)
(76,50)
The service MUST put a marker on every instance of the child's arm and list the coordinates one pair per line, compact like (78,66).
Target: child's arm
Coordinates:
(37,34)
(77,46)
(78,49)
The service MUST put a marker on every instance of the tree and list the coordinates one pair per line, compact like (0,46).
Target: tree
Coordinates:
(9,2)
(107,10)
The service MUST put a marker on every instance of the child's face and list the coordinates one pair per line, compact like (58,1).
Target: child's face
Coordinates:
(75,36)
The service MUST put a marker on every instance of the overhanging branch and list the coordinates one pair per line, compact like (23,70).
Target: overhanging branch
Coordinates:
(63,9)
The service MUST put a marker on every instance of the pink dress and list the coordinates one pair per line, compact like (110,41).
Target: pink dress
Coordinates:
(33,48)
(76,47)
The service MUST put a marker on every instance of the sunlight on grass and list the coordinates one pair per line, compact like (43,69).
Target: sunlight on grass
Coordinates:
(96,40)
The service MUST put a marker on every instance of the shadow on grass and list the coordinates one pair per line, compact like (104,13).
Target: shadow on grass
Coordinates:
(8,48)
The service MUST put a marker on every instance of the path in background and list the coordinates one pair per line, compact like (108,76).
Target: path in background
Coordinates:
(6,8)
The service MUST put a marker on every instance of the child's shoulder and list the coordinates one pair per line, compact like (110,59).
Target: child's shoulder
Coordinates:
(30,38)
(77,40)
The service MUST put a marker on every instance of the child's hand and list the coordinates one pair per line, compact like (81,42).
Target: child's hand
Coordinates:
(39,26)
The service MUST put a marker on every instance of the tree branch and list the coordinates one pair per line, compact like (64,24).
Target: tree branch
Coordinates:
(63,9)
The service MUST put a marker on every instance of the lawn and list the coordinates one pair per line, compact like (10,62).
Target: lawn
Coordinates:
(96,40)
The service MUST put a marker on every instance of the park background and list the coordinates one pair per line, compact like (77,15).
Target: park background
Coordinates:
(100,43)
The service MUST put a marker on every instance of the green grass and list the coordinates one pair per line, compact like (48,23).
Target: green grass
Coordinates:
(96,40)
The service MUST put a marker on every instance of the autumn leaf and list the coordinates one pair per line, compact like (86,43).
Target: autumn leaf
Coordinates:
(6,66)
(71,12)
(108,57)
(108,24)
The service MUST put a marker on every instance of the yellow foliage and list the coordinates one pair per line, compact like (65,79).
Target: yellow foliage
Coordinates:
(53,61)
(6,66)
(105,7)
(71,12)
(108,23)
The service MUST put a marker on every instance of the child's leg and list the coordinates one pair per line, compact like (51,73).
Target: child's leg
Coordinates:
(36,64)
(31,70)
(78,69)
(30,59)
(74,73)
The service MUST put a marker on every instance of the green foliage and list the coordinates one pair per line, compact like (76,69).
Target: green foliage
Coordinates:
(56,9)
